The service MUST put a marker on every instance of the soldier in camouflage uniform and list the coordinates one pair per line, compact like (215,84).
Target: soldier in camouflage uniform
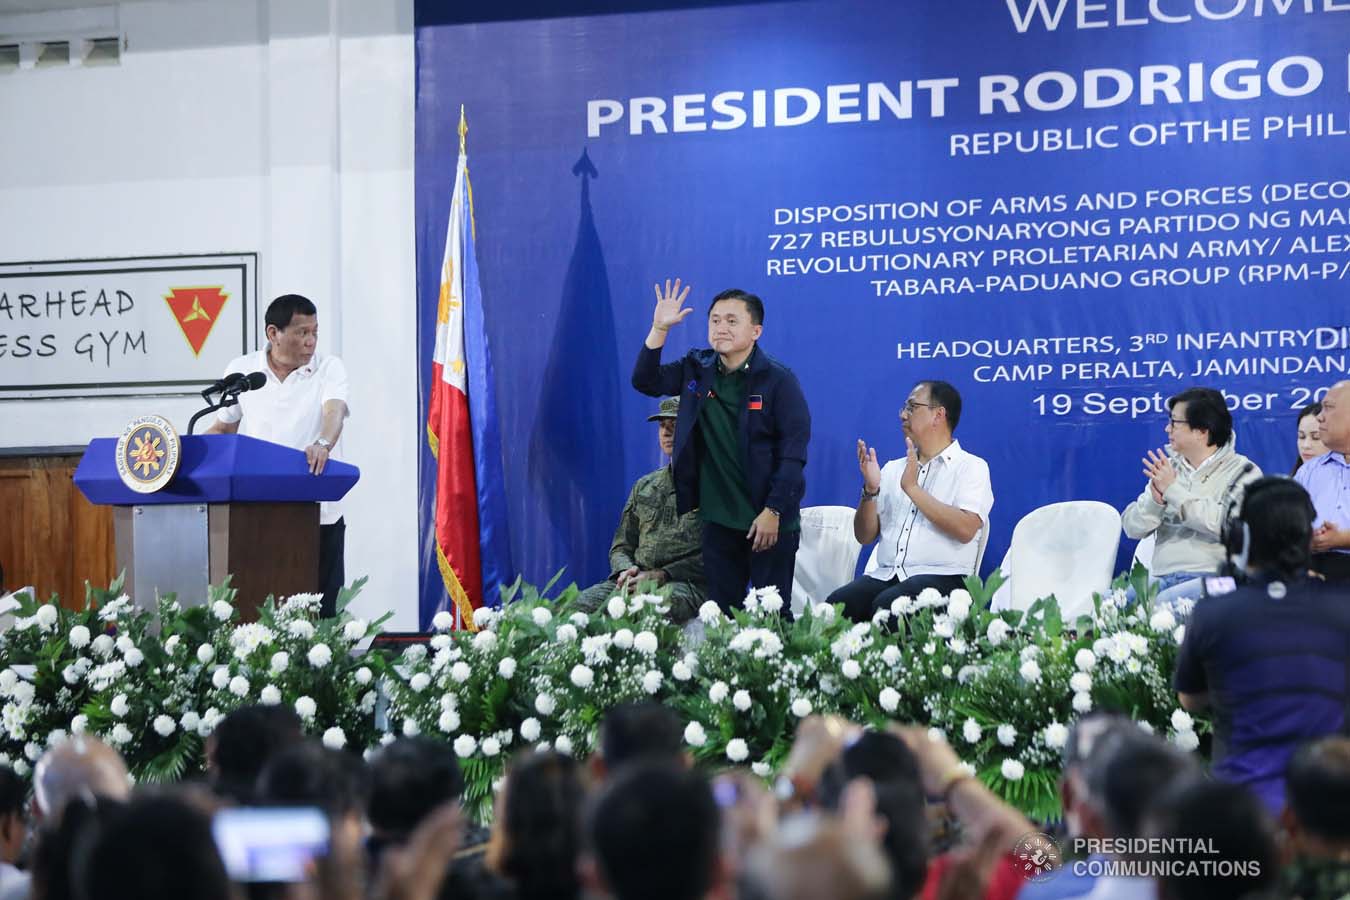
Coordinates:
(654,544)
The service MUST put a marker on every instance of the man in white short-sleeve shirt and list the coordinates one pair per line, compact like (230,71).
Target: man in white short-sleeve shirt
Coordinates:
(302,405)
(926,510)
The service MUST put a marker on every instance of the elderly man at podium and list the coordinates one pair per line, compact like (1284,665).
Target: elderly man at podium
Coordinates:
(302,405)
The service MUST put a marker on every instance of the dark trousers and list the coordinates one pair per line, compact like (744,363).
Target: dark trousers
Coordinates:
(864,596)
(1332,566)
(729,565)
(332,547)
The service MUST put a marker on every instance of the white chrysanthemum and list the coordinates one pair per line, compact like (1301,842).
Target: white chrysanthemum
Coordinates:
(680,672)
(442,621)
(761,769)
(694,735)
(171,645)
(411,728)
(623,638)
(79,637)
(616,607)
(448,721)
(645,643)
(485,641)
(1186,740)
(46,617)
(563,745)
(220,678)
(801,707)
(891,655)
(1085,659)
(419,682)
(270,695)
(1030,671)
(59,736)
(414,653)
(1012,770)
(710,613)
(1182,721)
(971,731)
(582,676)
(188,721)
(1133,666)
(334,738)
(930,597)
(120,734)
(851,669)
(1082,702)
(541,616)
(506,668)
(742,700)
(164,725)
(354,631)
(1007,735)
(460,672)
(70,674)
(483,617)
(222,610)
(1056,735)
(205,653)
(79,724)
(301,628)
(530,729)
(491,746)
(567,633)
(440,642)
(997,632)
(770,600)
(737,750)
(651,681)
(320,655)
(579,619)
(544,704)
(1162,620)
(102,645)
(958,605)
(305,708)
(124,643)
(239,686)
(823,611)
(1119,651)
(958,646)
(943,626)
(929,648)
(133,657)
(1080,682)
(718,692)
(364,676)
(465,745)
(889,698)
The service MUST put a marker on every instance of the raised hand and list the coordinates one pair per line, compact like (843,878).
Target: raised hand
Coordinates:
(910,477)
(870,468)
(1158,469)
(670,308)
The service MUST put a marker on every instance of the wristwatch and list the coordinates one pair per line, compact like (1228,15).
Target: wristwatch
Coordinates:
(869,495)
(325,443)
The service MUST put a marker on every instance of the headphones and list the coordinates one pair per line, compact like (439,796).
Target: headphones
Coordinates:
(1235,534)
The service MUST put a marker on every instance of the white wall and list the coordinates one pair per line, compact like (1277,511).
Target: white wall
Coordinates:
(278,126)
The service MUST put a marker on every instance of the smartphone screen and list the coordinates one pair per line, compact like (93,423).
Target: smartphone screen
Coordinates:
(270,843)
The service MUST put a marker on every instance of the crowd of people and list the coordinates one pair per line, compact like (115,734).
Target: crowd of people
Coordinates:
(854,815)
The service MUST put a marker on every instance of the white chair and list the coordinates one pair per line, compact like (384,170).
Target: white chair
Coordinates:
(826,556)
(1066,549)
(1143,552)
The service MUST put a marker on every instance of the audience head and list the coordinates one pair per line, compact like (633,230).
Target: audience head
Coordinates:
(243,743)
(638,731)
(888,763)
(1240,857)
(82,767)
(666,415)
(12,829)
(1086,739)
(1275,524)
(1317,794)
(408,780)
(309,774)
(537,836)
(157,847)
(1333,422)
(814,856)
(654,831)
(1198,418)
(1125,773)
(931,412)
(1310,444)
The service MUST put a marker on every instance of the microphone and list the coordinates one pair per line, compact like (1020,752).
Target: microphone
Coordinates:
(249,382)
(226,383)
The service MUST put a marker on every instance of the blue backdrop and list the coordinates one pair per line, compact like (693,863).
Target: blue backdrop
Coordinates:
(576,219)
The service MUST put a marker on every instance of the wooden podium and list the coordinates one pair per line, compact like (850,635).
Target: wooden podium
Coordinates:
(237,506)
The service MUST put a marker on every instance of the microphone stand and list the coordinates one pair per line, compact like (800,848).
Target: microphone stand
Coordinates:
(227,398)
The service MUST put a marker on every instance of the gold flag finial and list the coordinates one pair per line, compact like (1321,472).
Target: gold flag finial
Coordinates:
(463,128)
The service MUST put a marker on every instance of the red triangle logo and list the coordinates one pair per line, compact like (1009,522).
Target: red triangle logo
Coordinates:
(196,310)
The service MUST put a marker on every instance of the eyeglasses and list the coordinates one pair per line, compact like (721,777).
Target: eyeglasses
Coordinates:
(1172,423)
(910,406)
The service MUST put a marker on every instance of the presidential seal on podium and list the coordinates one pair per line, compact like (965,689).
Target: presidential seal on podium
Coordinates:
(147,454)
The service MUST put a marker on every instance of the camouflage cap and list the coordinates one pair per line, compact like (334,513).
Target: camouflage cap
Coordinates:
(670,408)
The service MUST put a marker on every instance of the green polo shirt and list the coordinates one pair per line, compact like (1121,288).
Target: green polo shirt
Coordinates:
(723,495)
